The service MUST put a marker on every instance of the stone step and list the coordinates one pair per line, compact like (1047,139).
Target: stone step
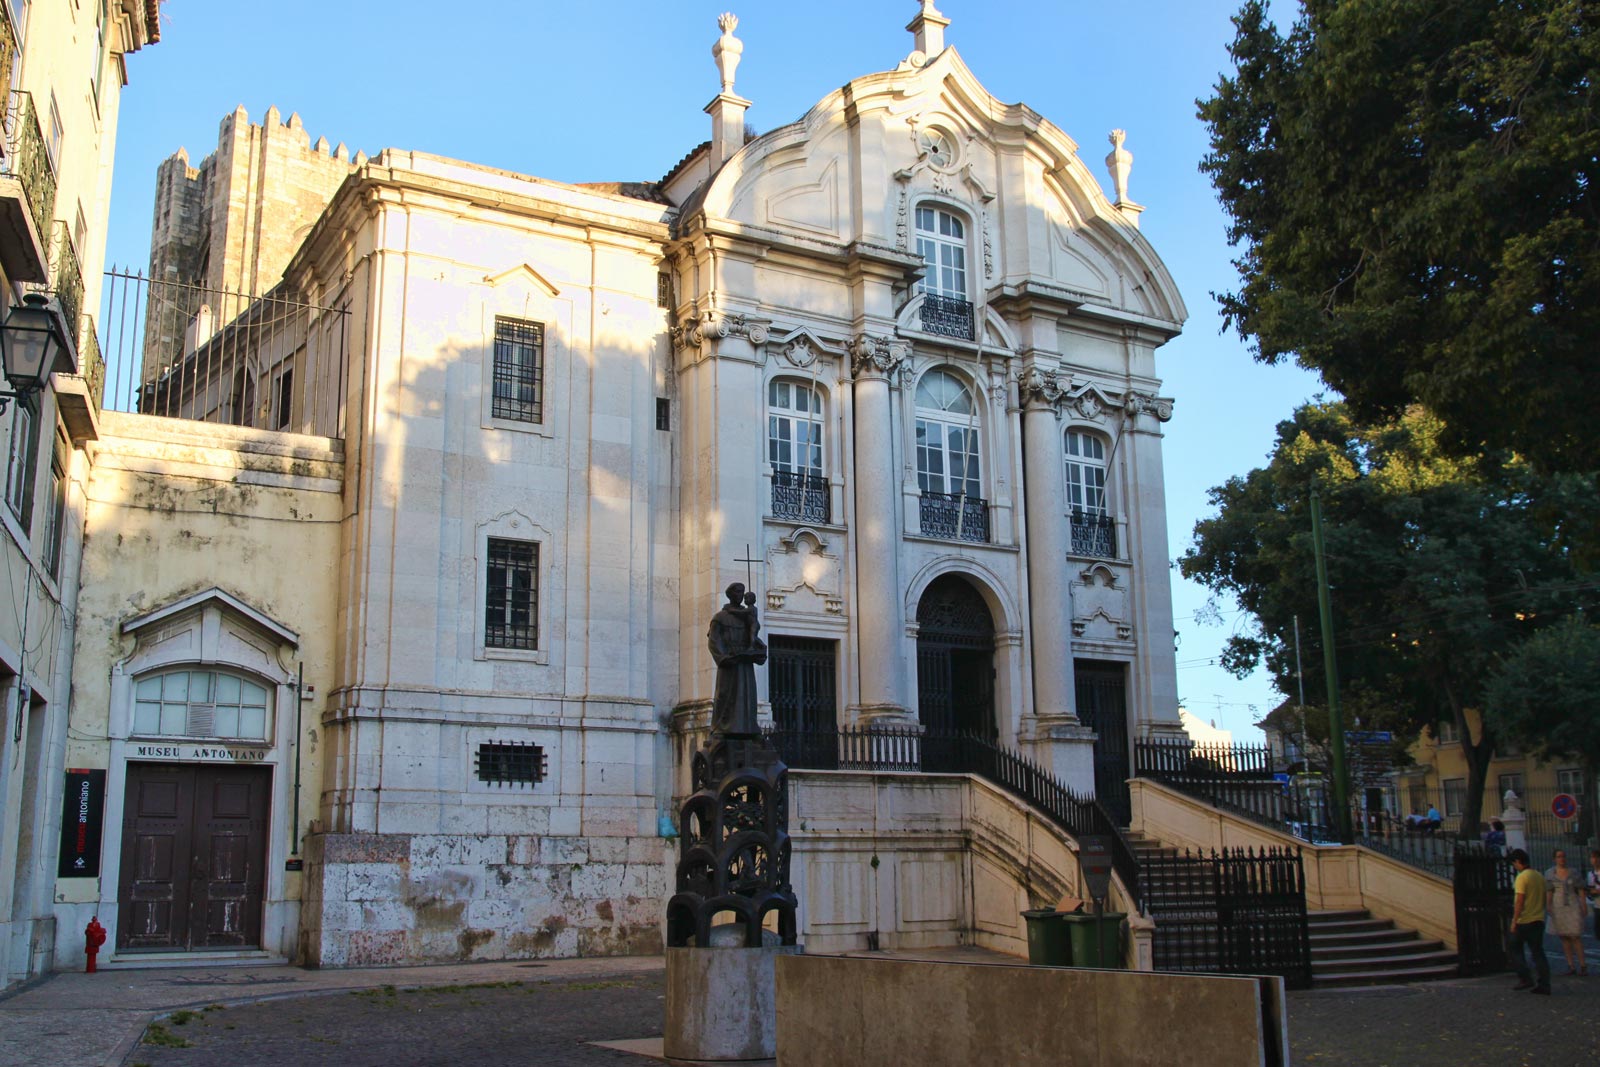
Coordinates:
(1340,927)
(1374,964)
(1337,915)
(1404,943)
(1361,937)
(1383,976)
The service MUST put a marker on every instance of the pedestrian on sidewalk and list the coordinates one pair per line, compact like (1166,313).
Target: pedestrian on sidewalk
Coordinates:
(1594,890)
(1527,925)
(1567,910)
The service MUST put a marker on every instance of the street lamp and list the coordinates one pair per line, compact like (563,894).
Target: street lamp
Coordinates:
(29,341)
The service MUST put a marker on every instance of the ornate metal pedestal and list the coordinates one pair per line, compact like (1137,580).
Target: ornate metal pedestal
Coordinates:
(733,856)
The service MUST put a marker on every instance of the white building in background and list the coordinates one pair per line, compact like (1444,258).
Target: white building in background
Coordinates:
(63,64)
(895,360)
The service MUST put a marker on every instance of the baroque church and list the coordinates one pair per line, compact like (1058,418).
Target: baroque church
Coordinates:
(397,576)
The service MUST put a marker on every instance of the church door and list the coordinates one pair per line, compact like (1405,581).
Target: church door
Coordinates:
(955,659)
(194,850)
(1102,690)
(802,683)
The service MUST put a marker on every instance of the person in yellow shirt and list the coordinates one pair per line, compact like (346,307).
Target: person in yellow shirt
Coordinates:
(1527,925)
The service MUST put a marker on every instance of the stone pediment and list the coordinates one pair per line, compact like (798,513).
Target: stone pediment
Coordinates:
(526,274)
(211,626)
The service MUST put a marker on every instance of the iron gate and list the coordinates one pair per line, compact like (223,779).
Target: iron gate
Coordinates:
(1484,899)
(1231,912)
(1102,692)
(802,683)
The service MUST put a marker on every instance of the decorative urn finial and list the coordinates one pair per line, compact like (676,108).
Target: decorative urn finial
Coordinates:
(1119,162)
(728,49)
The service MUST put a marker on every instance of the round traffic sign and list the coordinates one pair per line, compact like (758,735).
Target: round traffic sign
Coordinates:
(1564,806)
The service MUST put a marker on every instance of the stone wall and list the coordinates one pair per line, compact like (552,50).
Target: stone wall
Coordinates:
(402,898)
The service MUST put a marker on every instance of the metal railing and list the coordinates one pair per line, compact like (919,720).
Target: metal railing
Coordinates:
(27,159)
(955,517)
(947,316)
(90,363)
(187,351)
(1093,535)
(1231,912)
(66,279)
(801,495)
(1236,777)
(866,748)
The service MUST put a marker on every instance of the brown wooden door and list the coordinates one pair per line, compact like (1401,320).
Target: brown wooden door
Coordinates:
(194,844)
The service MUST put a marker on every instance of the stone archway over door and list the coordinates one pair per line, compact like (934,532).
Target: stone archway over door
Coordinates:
(955,659)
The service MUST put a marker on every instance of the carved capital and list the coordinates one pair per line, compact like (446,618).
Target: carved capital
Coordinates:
(1147,404)
(871,354)
(714,327)
(1036,386)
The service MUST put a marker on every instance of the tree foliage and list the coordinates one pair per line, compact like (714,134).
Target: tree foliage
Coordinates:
(1412,184)
(1543,693)
(1438,566)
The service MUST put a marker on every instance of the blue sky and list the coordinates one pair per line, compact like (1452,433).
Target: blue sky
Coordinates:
(614,91)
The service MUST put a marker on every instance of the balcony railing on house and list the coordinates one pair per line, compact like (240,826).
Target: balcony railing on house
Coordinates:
(27,159)
(955,517)
(90,363)
(1093,535)
(66,280)
(185,351)
(947,316)
(868,748)
(801,495)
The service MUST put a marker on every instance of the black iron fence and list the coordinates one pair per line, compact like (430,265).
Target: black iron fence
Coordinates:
(955,517)
(947,316)
(1093,535)
(1236,777)
(801,495)
(1482,882)
(1231,912)
(873,748)
(187,351)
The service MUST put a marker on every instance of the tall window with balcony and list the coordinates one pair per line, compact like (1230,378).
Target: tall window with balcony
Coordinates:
(948,460)
(1093,533)
(794,449)
(942,244)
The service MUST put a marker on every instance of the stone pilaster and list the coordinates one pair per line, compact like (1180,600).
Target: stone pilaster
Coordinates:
(874,362)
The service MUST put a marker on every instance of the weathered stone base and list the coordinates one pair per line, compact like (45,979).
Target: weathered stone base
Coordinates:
(373,899)
(722,1003)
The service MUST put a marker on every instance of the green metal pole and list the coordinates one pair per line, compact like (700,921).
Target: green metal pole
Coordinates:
(1330,665)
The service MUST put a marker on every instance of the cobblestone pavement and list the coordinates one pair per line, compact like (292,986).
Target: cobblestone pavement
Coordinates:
(479,1025)
(1477,1022)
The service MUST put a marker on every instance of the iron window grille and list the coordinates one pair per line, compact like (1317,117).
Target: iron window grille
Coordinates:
(511,606)
(663,413)
(1094,535)
(518,370)
(954,517)
(801,495)
(511,763)
(947,316)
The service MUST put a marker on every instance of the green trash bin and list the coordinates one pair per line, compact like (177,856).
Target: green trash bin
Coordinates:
(1096,939)
(1048,942)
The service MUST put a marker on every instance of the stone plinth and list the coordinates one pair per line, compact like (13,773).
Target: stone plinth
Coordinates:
(722,1003)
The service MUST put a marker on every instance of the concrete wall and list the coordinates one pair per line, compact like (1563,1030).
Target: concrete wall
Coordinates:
(1337,876)
(836,1010)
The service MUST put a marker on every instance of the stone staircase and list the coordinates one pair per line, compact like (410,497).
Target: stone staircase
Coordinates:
(1349,948)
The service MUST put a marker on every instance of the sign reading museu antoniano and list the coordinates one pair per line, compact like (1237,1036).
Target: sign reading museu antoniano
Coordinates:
(200,753)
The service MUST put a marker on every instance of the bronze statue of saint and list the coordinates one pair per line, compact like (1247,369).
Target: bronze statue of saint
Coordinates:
(737,649)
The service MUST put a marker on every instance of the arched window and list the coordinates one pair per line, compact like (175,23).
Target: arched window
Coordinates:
(948,461)
(195,703)
(794,448)
(1093,533)
(942,244)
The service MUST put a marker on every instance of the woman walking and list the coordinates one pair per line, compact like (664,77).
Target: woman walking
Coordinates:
(1567,909)
(1594,889)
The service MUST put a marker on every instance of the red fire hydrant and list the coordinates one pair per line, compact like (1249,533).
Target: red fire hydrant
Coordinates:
(94,935)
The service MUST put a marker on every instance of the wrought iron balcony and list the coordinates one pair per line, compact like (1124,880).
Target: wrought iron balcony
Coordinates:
(800,495)
(27,160)
(90,362)
(1094,535)
(956,518)
(66,281)
(947,316)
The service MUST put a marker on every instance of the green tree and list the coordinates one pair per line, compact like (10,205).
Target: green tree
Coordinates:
(1436,566)
(1412,185)
(1543,695)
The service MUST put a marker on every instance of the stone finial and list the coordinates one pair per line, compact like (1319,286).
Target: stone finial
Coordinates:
(342,153)
(927,29)
(321,147)
(728,49)
(1119,162)
(360,158)
(272,118)
(295,122)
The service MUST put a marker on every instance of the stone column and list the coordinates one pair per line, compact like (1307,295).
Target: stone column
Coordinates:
(1060,742)
(879,625)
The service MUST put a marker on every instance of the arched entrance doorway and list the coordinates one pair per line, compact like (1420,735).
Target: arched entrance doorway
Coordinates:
(955,659)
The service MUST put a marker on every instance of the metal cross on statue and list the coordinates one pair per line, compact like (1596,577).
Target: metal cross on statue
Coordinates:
(749,574)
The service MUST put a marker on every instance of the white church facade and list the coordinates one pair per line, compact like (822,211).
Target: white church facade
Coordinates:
(411,658)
